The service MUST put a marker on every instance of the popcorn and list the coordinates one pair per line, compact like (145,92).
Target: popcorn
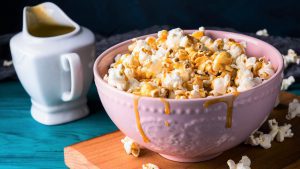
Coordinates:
(131,147)
(263,32)
(7,63)
(172,80)
(174,37)
(150,166)
(284,132)
(220,85)
(244,163)
(259,138)
(186,66)
(278,132)
(117,77)
(291,57)
(286,83)
(266,71)
(294,110)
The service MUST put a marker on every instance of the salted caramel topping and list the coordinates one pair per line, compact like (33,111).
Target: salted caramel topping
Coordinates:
(229,102)
(167,109)
(167,124)
(167,106)
(137,118)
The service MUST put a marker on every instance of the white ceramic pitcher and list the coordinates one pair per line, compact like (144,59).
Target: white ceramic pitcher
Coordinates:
(53,57)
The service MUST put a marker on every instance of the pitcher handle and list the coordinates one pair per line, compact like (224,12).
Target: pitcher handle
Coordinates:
(71,63)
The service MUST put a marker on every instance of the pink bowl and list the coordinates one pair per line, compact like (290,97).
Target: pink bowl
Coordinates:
(195,133)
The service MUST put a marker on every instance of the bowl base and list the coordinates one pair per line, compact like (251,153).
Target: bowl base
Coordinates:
(59,114)
(191,159)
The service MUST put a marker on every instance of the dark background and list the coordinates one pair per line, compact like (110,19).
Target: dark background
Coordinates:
(107,17)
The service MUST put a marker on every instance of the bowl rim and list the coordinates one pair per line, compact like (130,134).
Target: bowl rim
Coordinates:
(98,78)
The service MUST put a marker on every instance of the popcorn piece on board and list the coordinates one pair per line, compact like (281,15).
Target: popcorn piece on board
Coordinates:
(244,163)
(278,132)
(131,147)
(259,138)
(150,166)
(263,32)
(284,132)
(291,57)
(286,83)
(294,110)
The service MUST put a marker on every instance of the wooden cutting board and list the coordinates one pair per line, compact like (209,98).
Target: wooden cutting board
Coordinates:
(106,152)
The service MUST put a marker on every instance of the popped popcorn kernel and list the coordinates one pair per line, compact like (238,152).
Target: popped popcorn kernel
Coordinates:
(131,147)
(291,57)
(244,163)
(263,32)
(177,65)
(286,83)
(149,166)
(276,132)
(294,110)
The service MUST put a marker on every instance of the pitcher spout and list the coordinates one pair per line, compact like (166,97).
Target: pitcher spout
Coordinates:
(47,20)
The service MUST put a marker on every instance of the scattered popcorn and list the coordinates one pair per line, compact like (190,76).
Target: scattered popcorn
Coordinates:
(278,132)
(244,163)
(284,132)
(185,66)
(7,63)
(294,110)
(131,147)
(291,57)
(286,83)
(261,139)
(150,166)
(263,32)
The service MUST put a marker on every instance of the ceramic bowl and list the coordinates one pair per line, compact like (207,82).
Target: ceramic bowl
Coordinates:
(194,132)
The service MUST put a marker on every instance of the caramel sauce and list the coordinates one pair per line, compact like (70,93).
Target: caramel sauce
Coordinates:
(40,24)
(137,118)
(167,106)
(167,109)
(229,102)
(167,124)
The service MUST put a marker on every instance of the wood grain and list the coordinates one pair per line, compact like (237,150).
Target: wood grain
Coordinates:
(106,152)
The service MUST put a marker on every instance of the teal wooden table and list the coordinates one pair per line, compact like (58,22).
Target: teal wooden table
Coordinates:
(24,143)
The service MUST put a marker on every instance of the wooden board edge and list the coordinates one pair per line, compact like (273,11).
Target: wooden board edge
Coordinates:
(74,159)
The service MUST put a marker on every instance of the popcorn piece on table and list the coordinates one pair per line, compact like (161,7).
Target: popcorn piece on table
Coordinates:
(291,57)
(7,63)
(294,109)
(286,83)
(261,139)
(131,147)
(284,132)
(150,166)
(244,163)
(263,32)
(278,132)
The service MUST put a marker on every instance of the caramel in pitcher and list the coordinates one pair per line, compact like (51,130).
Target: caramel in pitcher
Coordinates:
(40,24)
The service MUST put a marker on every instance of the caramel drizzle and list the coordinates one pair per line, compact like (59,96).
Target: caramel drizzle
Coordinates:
(167,106)
(137,118)
(167,109)
(229,103)
(167,124)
